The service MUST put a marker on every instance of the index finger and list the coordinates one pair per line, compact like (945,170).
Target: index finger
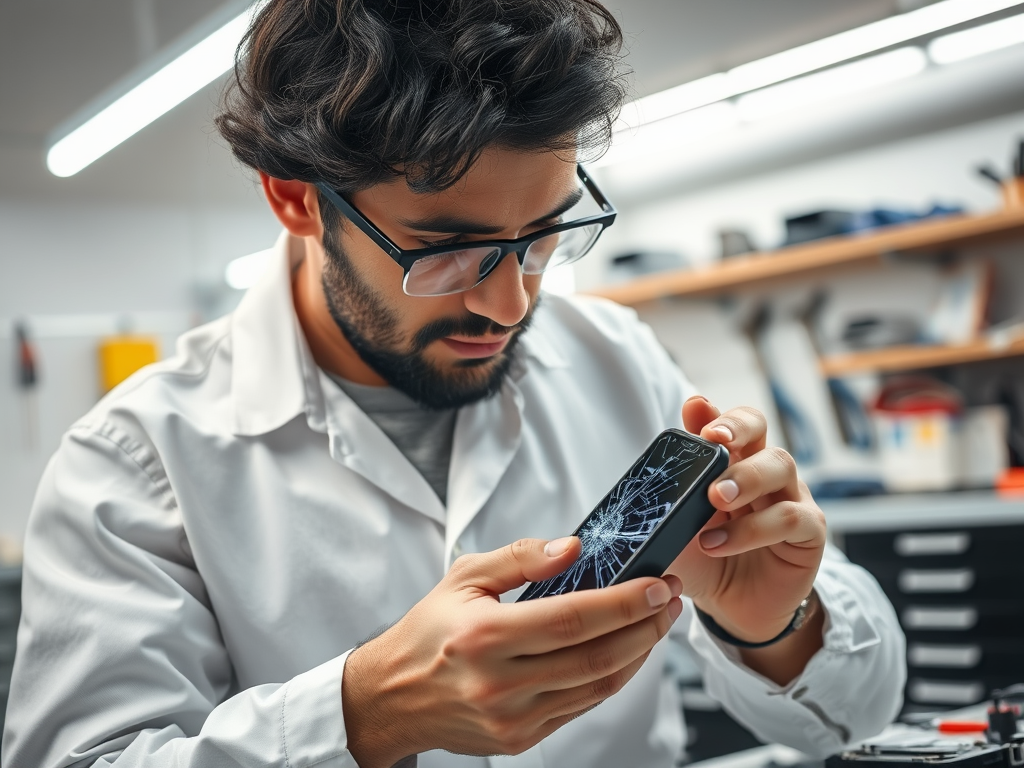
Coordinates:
(560,621)
(697,413)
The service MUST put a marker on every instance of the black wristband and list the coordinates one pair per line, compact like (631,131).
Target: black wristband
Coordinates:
(715,628)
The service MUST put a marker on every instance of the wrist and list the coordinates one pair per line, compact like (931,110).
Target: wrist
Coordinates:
(785,660)
(378,734)
(766,634)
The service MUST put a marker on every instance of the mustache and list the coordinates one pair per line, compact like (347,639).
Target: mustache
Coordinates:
(469,325)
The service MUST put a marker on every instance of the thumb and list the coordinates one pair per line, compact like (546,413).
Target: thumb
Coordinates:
(512,566)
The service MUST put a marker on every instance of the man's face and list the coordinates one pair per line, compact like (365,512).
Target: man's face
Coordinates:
(444,351)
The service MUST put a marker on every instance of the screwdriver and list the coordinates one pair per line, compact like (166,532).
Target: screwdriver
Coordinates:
(959,726)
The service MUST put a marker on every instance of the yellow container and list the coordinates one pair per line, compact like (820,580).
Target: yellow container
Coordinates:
(121,356)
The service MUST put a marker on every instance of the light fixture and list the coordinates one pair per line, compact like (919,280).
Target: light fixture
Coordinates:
(672,134)
(977,40)
(128,114)
(674,101)
(244,272)
(808,58)
(844,80)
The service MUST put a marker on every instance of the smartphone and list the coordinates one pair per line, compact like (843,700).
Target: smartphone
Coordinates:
(647,519)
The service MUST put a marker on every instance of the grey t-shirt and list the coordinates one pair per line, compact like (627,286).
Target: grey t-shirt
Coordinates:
(424,437)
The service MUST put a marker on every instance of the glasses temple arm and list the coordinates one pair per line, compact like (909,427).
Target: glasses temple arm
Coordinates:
(364,225)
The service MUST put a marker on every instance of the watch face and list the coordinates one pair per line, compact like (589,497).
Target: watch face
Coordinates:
(801,613)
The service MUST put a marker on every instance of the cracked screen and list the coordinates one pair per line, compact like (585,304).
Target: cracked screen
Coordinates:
(630,512)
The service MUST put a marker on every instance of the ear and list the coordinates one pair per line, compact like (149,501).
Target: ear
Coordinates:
(295,203)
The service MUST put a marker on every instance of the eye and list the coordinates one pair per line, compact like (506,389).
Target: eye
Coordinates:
(552,223)
(447,241)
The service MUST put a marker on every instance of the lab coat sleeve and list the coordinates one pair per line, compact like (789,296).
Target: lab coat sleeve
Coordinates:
(119,659)
(850,689)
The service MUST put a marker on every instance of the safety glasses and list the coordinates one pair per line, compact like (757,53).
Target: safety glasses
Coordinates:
(443,269)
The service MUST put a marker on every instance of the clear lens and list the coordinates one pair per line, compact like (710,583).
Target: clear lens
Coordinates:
(559,249)
(449,272)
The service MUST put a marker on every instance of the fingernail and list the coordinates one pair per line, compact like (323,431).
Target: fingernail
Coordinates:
(728,489)
(557,546)
(699,397)
(723,432)
(658,594)
(675,609)
(713,538)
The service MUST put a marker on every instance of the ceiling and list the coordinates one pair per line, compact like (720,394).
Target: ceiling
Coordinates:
(58,55)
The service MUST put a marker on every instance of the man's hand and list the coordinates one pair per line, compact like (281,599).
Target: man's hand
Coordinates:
(463,672)
(756,560)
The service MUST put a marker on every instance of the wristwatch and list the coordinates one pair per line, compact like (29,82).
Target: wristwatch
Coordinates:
(798,620)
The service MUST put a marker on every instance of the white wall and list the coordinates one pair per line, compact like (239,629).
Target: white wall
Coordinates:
(73,271)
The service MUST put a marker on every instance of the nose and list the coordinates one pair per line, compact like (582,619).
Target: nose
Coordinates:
(501,297)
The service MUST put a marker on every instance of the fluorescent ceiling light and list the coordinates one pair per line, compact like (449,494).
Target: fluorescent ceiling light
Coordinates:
(244,272)
(676,132)
(196,68)
(810,57)
(977,40)
(681,98)
(861,75)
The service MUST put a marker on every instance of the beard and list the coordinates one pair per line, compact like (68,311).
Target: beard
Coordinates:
(373,330)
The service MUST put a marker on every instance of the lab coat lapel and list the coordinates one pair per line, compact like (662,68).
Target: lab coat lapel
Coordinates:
(487,436)
(360,445)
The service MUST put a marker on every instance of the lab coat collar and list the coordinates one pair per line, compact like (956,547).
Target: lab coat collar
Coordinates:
(358,443)
(274,377)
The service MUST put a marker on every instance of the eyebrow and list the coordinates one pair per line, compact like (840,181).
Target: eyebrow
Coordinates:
(445,224)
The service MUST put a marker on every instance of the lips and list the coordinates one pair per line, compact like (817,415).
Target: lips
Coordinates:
(476,347)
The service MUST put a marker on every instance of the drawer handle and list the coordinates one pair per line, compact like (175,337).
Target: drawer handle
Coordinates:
(948,656)
(920,617)
(917,544)
(956,580)
(945,692)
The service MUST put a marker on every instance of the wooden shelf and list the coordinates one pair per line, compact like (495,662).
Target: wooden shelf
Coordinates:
(917,357)
(744,272)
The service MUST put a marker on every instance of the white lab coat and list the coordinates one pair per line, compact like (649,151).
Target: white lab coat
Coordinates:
(209,542)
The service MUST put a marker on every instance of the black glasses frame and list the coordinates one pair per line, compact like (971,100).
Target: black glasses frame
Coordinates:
(406,258)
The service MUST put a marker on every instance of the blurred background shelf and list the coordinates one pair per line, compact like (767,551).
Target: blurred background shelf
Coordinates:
(909,358)
(742,272)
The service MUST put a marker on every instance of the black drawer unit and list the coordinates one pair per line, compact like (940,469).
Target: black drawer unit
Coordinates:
(953,617)
(956,579)
(10,615)
(938,548)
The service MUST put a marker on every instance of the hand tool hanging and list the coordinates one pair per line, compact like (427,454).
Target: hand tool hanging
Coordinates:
(28,383)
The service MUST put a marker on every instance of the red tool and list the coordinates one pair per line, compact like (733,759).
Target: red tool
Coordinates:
(960,726)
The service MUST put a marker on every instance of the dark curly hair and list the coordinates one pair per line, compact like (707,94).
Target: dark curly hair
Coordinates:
(356,92)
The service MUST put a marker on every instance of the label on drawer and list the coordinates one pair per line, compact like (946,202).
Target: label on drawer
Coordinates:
(916,544)
(954,580)
(948,656)
(926,617)
(945,692)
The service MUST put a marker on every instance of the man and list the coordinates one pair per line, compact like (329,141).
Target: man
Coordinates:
(373,448)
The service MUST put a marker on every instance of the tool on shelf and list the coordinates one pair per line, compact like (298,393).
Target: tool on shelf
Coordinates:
(28,382)
(986,171)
